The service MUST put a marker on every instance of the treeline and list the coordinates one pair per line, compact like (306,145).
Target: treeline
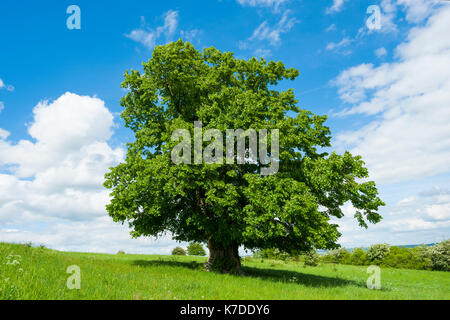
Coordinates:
(193,249)
(423,257)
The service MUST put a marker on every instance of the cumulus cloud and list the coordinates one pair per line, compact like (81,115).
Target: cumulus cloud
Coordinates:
(51,185)
(58,174)
(3,134)
(416,219)
(409,137)
(99,235)
(418,10)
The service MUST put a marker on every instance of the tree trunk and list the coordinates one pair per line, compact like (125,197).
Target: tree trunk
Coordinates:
(223,259)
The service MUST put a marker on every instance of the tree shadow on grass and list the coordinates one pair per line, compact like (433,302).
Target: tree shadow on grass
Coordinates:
(305,279)
(193,265)
(274,275)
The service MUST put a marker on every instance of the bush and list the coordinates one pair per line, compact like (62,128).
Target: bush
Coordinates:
(440,256)
(399,258)
(121,252)
(377,252)
(273,254)
(421,257)
(312,258)
(340,255)
(178,251)
(358,257)
(196,249)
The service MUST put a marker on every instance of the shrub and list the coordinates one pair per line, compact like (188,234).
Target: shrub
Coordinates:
(195,249)
(312,258)
(273,254)
(399,258)
(340,255)
(358,257)
(121,252)
(440,256)
(421,257)
(178,251)
(377,252)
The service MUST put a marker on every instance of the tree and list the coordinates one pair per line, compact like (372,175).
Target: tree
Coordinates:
(340,255)
(231,205)
(178,251)
(377,252)
(196,249)
(440,256)
(358,257)
(312,258)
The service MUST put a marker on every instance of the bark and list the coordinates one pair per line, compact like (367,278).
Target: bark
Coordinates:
(223,259)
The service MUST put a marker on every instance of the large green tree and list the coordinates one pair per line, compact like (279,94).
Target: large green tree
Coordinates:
(230,205)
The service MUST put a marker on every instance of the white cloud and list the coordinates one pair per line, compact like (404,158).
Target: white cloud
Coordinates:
(51,186)
(3,85)
(2,106)
(410,136)
(3,134)
(148,37)
(417,219)
(190,35)
(418,10)
(341,44)
(99,235)
(336,6)
(265,32)
(263,53)
(263,3)
(60,174)
(381,52)
(332,27)
(63,130)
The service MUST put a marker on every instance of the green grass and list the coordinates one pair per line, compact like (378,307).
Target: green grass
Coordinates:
(41,274)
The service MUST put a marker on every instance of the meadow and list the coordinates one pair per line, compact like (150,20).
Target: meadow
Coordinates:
(38,273)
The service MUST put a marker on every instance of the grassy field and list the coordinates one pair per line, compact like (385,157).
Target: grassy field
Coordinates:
(35,273)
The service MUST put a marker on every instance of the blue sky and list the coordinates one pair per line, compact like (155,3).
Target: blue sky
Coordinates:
(386,92)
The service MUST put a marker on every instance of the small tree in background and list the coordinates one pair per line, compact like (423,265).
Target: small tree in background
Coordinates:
(340,255)
(377,252)
(358,257)
(273,254)
(440,256)
(178,251)
(312,258)
(196,249)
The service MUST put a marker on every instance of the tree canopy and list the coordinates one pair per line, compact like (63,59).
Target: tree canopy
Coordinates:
(231,205)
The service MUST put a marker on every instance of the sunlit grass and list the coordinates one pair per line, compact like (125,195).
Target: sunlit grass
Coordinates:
(40,273)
